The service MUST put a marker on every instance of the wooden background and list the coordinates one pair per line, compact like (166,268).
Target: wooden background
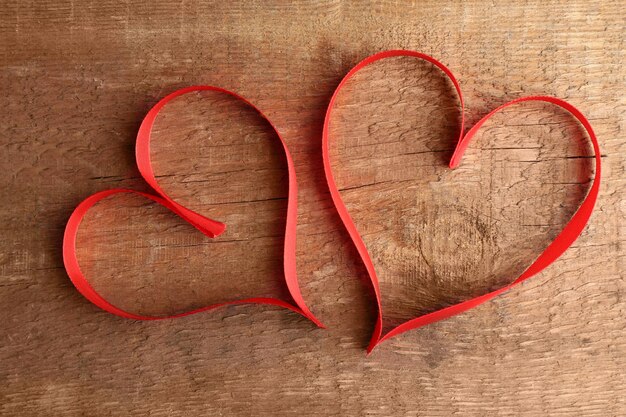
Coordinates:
(76,80)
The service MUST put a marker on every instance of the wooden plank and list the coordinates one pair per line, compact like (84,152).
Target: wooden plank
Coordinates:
(77,80)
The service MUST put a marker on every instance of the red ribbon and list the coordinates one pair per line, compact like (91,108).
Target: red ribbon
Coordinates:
(564,240)
(213,228)
(209,227)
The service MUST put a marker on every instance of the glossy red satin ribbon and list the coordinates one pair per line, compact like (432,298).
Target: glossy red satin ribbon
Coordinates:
(563,241)
(210,228)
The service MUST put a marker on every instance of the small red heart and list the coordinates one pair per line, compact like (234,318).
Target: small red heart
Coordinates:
(563,240)
(208,227)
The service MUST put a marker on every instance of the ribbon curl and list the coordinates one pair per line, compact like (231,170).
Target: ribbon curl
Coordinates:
(564,240)
(209,227)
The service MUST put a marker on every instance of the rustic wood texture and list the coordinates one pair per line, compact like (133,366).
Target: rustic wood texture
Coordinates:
(77,80)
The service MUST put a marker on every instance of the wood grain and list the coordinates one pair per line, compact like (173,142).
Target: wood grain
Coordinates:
(77,79)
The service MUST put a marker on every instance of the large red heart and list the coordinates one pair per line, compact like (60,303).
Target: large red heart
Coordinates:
(210,228)
(563,240)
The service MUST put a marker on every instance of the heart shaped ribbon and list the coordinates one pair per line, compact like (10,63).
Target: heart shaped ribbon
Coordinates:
(564,240)
(212,228)
(209,227)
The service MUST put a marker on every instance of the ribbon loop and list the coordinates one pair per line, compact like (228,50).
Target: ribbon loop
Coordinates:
(563,241)
(209,227)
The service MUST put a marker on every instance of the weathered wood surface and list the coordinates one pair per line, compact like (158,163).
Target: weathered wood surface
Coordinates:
(76,81)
